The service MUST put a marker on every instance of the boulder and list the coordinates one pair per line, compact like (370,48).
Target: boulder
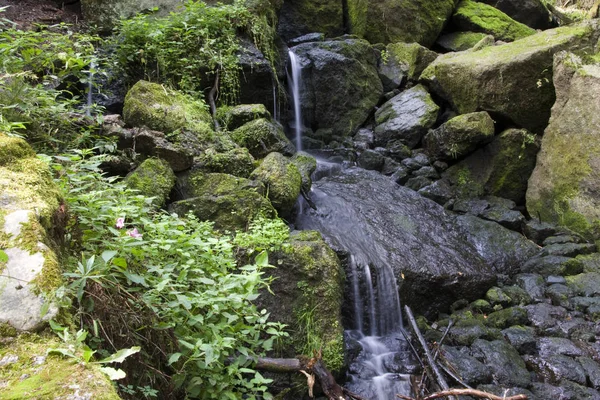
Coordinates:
(262,137)
(520,71)
(238,162)
(403,60)
(153,178)
(563,186)
(339,86)
(459,41)
(229,201)
(233,117)
(406,117)
(301,17)
(479,17)
(460,136)
(507,367)
(155,144)
(306,165)
(420,242)
(390,21)
(532,13)
(501,168)
(257,80)
(282,180)
(106,14)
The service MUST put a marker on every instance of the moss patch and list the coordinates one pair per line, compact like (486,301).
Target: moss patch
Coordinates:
(262,137)
(153,178)
(12,148)
(238,162)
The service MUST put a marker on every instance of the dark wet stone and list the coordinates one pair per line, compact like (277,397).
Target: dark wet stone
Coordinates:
(481,306)
(559,294)
(440,166)
(554,279)
(309,37)
(503,360)
(545,317)
(439,191)
(577,329)
(519,297)
(427,172)
(587,284)
(533,284)
(556,368)
(548,346)
(546,265)
(569,249)
(561,239)
(592,371)
(413,164)
(496,295)
(507,317)
(471,206)
(564,391)
(471,370)
(590,262)
(521,338)
(466,335)
(398,150)
(581,303)
(389,166)
(418,182)
(401,176)
(370,159)
(539,231)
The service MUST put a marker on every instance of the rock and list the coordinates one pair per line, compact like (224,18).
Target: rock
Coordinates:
(568,249)
(546,265)
(501,390)
(406,117)
(501,168)
(507,317)
(562,187)
(390,166)
(459,41)
(545,317)
(538,231)
(471,370)
(229,201)
(155,144)
(586,284)
(548,346)
(459,136)
(427,172)
(533,284)
(262,137)
(420,241)
(504,250)
(106,14)
(153,178)
(306,165)
(398,150)
(556,367)
(390,21)
(371,159)
(565,391)
(471,81)
(479,17)
(257,81)
(282,180)
(495,295)
(467,335)
(403,60)
(237,162)
(308,284)
(521,338)
(507,367)
(417,183)
(233,117)
(592,371)
(439,191)
(12,149)
(532,13)
(309,37)
(339,87)
(301,17)
(589,262)
(518,296)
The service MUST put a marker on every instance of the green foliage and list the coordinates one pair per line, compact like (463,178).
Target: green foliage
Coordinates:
(182,271)
(187,47)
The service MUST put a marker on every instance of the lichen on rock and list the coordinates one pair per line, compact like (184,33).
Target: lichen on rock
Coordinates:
(153,178)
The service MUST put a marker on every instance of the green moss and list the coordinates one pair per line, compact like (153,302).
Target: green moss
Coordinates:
(56,377)
(12,148)
(357,16)
(306,165)
(459,41)
(238,162)
(153,178)
(7,331)
(262,137)
(233,117)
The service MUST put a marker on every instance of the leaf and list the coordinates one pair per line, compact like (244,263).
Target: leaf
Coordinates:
(108,254)
(62,352)
(262,259)
(120,355)
(135,278)
(3,256)
(113,374)
(174,358)
(87,354)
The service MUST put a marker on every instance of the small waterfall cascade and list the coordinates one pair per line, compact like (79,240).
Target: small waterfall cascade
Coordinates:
(294,87)
(379,354)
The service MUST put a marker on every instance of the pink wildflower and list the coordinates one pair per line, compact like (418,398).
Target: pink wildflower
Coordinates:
(134,233)
(120,223)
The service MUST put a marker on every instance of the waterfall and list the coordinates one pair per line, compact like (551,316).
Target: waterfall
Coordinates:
(294,83)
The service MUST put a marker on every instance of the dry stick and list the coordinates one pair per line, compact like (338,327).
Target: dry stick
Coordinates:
(211,101)
(412,348)
(466,392)
(437,353)
(436,372)
(454,376)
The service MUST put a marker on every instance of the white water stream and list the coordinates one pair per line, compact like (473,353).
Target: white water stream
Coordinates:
(294,83)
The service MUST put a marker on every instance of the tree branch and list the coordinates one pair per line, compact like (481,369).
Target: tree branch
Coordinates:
(465,392)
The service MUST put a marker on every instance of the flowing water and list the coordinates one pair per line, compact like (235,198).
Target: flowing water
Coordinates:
(294,83)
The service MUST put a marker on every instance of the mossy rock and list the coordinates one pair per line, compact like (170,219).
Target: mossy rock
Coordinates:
(306,165)
(300,17)
(237,162)
(32,374)
(282,180)
(460,136)
(480,17)
(236,116)
(564,187)
(307,296)
(12,148)
(460,41)
(520,71)
(262,137)
(507,317)
(390,21)
(153,178)
(400,60)
(230,202)
(532,13)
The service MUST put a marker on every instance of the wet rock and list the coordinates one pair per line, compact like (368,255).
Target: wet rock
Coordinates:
(565,391)
(496,295)
(427,172)
(545,317)
(398,150)
(256,78)
(568,249)
(507,317)
(262,137)
(459,41)
(389,166)
(401,175)
(562,239)
(546,265)
(586,284)
(403,60)
(556,368)
(471,370)
(589,262)
(153,178)
(548,346)
(370,159)
(533,284)
(559,295)
(439,191)
(309,37)
(306,165)
(521,338)
(467,335)
(305,16)
(518,296)
(592,371)
(532,13)
(418,182)
(539,231)
(478,17)
(237,162)
(234,117)
(504,361)
(500,390)
(406,117)
(155,144)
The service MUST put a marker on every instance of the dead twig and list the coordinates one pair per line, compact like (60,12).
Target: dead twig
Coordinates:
(465,392)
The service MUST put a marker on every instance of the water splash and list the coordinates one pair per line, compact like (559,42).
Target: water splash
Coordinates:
(294,83)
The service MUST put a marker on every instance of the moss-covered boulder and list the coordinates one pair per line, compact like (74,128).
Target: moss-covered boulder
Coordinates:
(106,14)
(306,165)
(282,179)
(262,137)
(300,17)
(513,80)
(389,21)
(184,121)
(307,296)
(460,41)
(148,143)
(501,168)
(564,186)
(532,13)
(153,178)
(27,372)
(230,202)
(238,162)
(460,136)
(479,17)
(405,117)
(340,85)
(403,60)
(12,148)
(234,117)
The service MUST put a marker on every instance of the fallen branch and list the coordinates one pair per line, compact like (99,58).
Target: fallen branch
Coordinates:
(212,103)
(465,392)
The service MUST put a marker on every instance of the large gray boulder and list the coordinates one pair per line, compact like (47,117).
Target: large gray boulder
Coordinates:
(513,80)
(300,17)
(340,85)
(564,185)
(532,13)
(406,117)
(401,61)
(389,21)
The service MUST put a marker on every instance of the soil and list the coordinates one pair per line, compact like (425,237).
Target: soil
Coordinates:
(29,14)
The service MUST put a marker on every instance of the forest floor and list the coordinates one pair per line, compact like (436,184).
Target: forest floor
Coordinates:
(27,14)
